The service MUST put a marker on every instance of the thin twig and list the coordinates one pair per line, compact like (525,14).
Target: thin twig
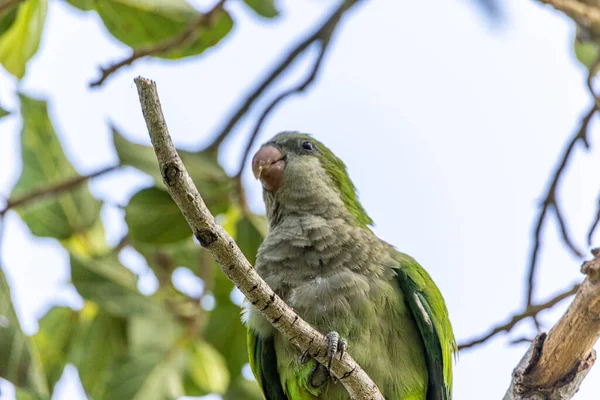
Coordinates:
(563,230)
(54,189)
(590,85)
(594,225)
(180,41)
(523,339)
(550,202)
(550,199)
(324,43)
(557,362)
(280,67)
(231,259)
(531,311)
(584,13)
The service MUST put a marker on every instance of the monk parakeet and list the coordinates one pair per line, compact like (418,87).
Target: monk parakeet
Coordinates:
(322,258)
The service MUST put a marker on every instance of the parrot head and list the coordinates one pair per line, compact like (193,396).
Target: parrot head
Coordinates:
(299,172)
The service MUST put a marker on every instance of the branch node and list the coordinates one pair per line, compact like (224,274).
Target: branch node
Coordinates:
(206,237)
(592,268)
(536,345)
(171,173)
(580,366)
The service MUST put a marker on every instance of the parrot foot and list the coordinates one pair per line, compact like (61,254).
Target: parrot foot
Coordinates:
(335,343)
(304,357)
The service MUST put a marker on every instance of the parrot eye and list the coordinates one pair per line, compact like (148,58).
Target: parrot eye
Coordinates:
(307,146)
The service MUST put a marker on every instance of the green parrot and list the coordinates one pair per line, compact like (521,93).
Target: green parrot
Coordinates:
(322,258)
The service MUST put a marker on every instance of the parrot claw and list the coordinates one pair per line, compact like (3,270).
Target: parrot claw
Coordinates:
(304,357)
(334,344)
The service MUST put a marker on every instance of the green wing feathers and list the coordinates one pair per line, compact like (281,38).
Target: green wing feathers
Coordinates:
(427,306)
(263,361)
(429,310)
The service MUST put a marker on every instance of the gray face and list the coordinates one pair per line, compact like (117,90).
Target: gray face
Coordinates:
(290,169)
(280,158)
(292,143)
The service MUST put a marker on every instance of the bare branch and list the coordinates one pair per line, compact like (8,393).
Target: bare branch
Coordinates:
(325,30)
(230,258)
(594,225)
(203,21)
(555,364)
(550,202)
(531,311)
(54,189)
(586,15)
(590,86)
(567,240)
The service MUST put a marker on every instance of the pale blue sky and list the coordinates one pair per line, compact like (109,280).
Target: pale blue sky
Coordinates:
(449,129)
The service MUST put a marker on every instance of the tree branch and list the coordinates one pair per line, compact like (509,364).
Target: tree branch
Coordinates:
(586,15)
(556,363)
(322,33)
(324,41)
(54,189)
(594,224)
(531,311)
(297,89)
(230,258)
(550,203)
(550,199)
(187,36)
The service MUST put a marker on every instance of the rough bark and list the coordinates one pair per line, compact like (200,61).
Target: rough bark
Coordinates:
(230,258)
(557,362)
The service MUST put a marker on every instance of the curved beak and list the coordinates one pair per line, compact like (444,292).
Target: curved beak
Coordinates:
(267,165)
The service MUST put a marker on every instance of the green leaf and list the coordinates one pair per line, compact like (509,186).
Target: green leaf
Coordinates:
(20,42)
(264,8)
(153,217)
(210,178)
(150,375)
(99,340)
(224,329)
(206,371)
(24,394)
(20,362)
(112,286)
(89,243)
(163,259)
(45,164)
(54,339)
(227,334)
(222,286)
(242,388)
(165,331)
(3,112)
(137,155)
(586,51)
(8,17)
(250,232)
(144,23)
(83,5)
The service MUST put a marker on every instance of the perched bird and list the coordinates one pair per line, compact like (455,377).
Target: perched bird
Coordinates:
(322,258)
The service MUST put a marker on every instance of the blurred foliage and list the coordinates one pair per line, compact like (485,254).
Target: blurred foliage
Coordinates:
(21,30)
(125,344)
